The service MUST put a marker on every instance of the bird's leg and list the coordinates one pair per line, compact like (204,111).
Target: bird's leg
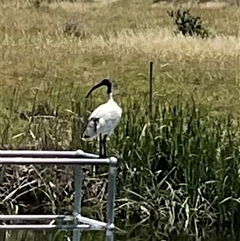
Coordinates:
(104,146)
(100,146)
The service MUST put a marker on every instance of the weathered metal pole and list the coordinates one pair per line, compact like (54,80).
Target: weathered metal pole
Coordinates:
(151,88)
(78,179)
(111,199)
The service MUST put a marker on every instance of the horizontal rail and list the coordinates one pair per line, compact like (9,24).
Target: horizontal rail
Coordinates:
(49,227)
(37,217)
(91,221)
(45,154)
(68,161)
(33,217)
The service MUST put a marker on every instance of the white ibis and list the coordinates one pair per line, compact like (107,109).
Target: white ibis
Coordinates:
(103,119)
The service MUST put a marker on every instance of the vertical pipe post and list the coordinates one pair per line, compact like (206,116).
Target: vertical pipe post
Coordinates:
(78,179)
(150,88)
(111,199)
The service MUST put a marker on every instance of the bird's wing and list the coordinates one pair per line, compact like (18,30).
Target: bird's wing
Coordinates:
(107,111)
(94,121)
(103,119)
(98,112)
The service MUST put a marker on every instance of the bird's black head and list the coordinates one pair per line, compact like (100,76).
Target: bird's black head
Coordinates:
(105,82)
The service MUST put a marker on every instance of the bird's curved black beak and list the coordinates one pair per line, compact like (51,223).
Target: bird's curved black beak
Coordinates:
(93,88)
(105,82)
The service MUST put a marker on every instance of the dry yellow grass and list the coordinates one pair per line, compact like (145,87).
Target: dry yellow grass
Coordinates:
(122,38)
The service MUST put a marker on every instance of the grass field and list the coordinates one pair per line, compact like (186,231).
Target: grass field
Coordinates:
(179,167)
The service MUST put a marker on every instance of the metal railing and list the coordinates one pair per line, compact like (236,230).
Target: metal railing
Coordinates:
(76,158)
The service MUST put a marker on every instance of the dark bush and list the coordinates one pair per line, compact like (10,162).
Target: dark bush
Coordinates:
(187,24)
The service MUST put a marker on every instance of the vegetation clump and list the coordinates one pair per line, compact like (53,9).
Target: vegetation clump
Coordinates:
(188,24)
(74,27)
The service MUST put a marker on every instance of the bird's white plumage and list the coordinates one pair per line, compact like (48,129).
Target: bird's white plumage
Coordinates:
(103,119)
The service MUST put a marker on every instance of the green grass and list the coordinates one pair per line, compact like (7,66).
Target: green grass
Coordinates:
(178,166)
